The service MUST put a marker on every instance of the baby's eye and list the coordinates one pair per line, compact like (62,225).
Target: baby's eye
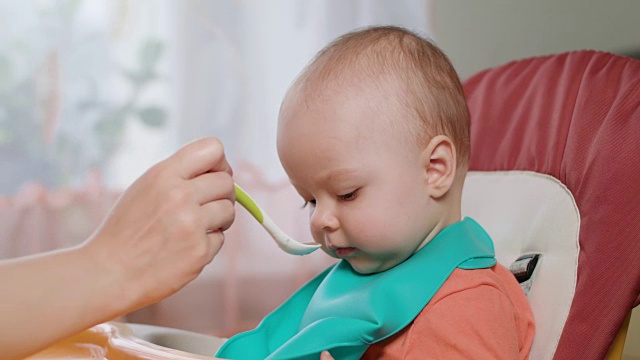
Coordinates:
(350,196)
(312,202)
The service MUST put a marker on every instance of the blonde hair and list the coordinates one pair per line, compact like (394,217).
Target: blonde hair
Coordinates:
(429,87)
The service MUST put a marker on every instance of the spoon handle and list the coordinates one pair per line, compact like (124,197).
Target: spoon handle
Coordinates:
(286,243)
(248,203)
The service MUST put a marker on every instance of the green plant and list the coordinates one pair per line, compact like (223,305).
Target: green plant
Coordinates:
(111,124)
(45,120)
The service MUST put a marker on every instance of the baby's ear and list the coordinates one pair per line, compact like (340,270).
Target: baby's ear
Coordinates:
(439,163)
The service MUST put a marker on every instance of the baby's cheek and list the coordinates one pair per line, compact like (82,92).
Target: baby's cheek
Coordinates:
(371,224)
(318,236)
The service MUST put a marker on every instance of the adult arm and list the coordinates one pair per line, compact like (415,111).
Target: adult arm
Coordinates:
(158,237)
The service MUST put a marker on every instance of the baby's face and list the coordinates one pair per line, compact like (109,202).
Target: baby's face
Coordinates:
(363,179)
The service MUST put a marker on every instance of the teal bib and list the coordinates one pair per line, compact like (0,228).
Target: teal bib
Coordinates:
(345,312)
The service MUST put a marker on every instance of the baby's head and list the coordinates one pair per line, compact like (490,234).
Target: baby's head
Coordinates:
(374,135)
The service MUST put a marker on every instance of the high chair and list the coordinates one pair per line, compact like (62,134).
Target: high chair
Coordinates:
(555,180)
(554,171)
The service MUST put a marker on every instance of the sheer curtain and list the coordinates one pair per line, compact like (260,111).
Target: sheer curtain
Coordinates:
(107,88)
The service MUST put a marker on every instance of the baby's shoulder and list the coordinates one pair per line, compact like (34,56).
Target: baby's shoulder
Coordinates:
(460,280)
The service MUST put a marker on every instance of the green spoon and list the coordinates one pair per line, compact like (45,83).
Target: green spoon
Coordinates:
(285,242)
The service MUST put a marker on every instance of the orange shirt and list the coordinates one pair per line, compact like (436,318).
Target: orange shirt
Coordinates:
(476,314)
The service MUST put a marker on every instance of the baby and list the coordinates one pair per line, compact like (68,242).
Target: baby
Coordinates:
(374,136)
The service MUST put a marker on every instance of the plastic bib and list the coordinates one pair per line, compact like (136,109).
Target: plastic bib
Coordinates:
(345,312)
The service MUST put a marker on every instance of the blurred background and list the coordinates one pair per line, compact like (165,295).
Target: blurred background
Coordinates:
(92,93)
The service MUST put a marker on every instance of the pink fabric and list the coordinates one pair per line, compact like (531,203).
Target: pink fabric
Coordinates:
(37,220)
(574,116)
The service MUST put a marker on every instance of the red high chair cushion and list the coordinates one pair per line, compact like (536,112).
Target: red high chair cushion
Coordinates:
(574,116)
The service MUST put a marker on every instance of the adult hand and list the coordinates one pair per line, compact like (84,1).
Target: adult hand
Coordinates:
(160,234)
(325,356)
(169,224)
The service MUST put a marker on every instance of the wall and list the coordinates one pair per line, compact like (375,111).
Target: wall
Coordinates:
(481,34)
(632,344)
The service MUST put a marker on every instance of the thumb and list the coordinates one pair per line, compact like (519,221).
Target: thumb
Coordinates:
(326,356)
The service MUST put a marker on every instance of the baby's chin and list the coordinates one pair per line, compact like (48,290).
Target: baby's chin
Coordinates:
(367,269)
(362,265)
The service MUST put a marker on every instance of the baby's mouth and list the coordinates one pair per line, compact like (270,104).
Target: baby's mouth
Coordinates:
(345,251)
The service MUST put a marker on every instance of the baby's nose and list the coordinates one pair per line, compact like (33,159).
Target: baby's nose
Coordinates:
(324,219)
